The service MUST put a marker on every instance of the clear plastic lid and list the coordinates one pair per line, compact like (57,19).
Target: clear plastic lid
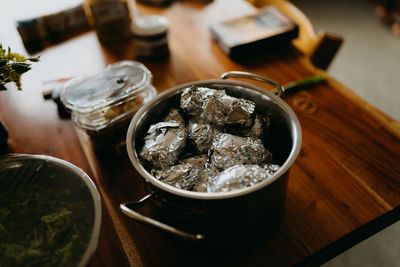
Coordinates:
(115,84)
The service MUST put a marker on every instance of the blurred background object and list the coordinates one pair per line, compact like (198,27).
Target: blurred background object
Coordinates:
(321,47)
(40,32)
(111,19)
(368,60)
(388,11)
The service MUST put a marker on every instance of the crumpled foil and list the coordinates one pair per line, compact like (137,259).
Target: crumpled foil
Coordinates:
(209,172)
(258,130)
(222,143)
(163,144)
(201,134)
(183,175)
(241,111)
(175,115)
(216,107)
(198,161)
(271,168)
(213,110)
(238,177)
(192,98)
(228,150)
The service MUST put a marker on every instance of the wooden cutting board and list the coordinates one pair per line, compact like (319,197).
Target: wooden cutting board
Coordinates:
(343,187)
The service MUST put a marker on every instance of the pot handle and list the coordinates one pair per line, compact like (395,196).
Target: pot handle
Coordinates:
(252,76)
(128,210)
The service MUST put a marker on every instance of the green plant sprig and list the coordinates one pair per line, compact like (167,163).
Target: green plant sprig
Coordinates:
(12,66)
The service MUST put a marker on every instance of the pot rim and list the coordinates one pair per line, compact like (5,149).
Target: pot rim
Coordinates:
(134,158)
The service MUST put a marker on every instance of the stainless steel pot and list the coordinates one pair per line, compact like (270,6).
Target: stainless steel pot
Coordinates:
(224,217)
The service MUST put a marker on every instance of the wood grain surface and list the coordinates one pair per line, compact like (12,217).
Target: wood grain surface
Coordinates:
(343,187)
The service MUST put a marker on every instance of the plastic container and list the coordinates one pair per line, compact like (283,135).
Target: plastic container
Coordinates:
(103,105)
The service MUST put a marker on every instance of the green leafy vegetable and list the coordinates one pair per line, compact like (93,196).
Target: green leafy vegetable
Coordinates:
(42,226)
(12,66)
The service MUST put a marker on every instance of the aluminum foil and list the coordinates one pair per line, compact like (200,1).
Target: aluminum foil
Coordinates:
(183,175)
(175,115)
(218,108)
(163,144)
(238,177)
(241,111)
(192,99)
(271,168)
(258,130)
(215,161)
(228,150)
(201,134)
(214,110)
(186,174)
(209,172)
(198,161)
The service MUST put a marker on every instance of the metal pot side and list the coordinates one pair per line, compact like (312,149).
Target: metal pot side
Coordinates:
(226,215)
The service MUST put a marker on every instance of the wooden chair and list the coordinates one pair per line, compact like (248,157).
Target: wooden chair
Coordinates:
(320,47)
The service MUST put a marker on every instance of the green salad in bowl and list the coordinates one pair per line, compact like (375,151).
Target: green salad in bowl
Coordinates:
(50,212)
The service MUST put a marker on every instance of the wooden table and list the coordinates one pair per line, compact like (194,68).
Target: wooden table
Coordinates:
(344,186)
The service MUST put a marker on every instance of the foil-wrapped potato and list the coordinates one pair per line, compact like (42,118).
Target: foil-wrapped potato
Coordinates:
(212,142)
(182,175)
(193,98)
(228,150)
(238,177)
(201,134)
(163,144)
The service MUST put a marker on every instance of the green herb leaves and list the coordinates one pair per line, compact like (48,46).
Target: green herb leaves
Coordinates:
(12,66)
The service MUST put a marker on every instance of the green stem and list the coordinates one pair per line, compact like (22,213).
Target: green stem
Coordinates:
(293,86)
